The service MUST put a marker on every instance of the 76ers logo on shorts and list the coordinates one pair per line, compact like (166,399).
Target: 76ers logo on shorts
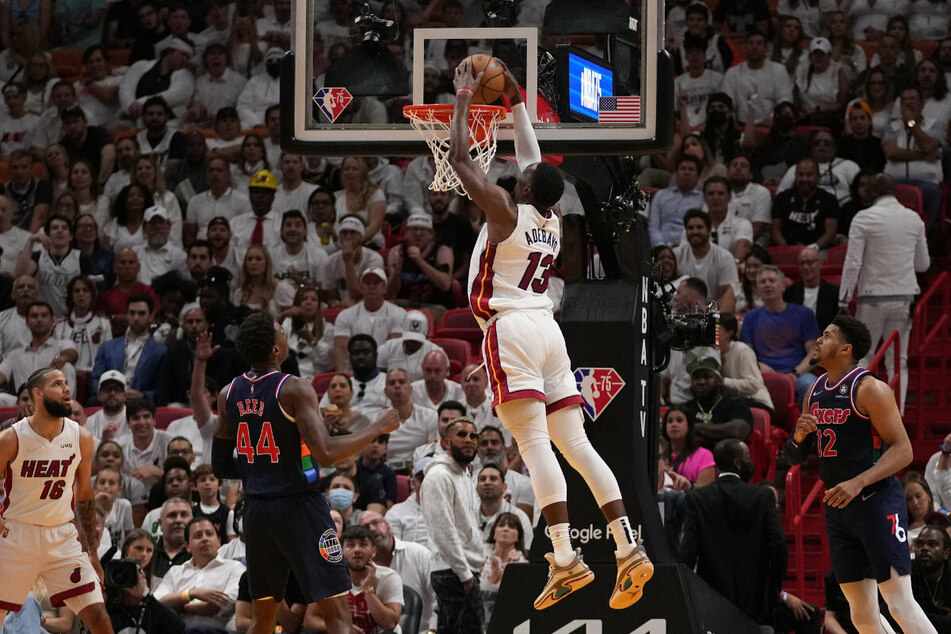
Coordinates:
(330,547)
(598,387)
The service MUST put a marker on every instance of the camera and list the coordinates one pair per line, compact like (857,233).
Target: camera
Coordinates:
(683,327)
(375,29)
(122,573)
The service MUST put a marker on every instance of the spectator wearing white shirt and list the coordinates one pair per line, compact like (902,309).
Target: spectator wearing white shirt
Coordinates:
(388,178)
(12,239)
(272,144)
(822,86)
(406,518)
(373,316)
(758,83)
(158,256)
(728,230)
(261,91)
(49,127)
(887,247)
(416,181)
(228,129)
(491,450)
(203,589)
(695,85)
(435,388)
(741,374)
(700,257)
(407,352)
(491,487)
(667,209)
(157,139)
(262,225)
(368,382)
(127,151)
(276,30)
(81,325)
(218,88)
(167,77)
(912,147)
(219,200)
(43,350)
(341,281)
(18,127)
(835,174)
(13,329)
(298,260)
(750,200)
(418,424)
(337,28)
(144,448)
(478,401)
(218,31)
(109,422)
(293,192)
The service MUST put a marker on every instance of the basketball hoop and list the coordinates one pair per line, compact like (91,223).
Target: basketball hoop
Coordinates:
(433,121)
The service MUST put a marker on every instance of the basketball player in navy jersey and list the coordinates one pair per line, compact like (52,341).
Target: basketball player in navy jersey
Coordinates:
(534,391)
(849,416)
(271,420)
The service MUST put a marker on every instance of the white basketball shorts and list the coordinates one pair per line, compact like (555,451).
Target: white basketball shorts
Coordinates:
(525,357)
(53,553)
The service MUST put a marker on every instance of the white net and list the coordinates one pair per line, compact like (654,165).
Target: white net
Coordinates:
(433,121)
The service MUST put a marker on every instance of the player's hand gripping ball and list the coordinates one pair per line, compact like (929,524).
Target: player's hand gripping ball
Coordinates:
(493,78)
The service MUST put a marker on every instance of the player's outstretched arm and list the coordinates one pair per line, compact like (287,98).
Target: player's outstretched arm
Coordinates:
(299,399)
(223,443)
(499,208)
(527,151)
(876,399)
(85,504)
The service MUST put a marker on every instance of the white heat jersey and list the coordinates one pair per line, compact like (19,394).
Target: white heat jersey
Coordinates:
(513,275)
(39,482)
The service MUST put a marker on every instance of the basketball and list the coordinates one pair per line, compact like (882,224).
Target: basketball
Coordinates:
(493,79)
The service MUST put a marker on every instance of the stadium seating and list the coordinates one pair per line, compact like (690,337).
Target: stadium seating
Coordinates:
(782,391)
(165,415)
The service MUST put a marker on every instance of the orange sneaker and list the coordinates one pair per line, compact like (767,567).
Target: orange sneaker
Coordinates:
(633,572)
(562,581)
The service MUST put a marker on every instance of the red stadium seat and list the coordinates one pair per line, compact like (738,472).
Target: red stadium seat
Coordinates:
(458,323)
(834,261)
(330,314)
(457,349)
(458,318)
(782,391)
(165,415)
(91,410)
(402,488)
(785,255)
(321,381)
(8,412)
(82,385)
(910,196)
(650,191)
(761,445)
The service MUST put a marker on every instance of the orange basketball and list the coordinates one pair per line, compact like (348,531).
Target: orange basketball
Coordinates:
(493,78)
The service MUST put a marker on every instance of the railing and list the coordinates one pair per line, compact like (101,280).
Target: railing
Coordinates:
(924,338)
(893,341)
(796,509)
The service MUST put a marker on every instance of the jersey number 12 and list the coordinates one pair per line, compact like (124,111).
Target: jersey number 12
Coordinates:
(266,446)
(536,261)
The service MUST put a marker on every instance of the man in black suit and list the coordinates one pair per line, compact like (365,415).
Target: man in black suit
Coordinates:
(733,536)
(812,291)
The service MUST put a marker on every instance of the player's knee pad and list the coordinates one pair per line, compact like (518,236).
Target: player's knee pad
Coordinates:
(525,419)
(566,427)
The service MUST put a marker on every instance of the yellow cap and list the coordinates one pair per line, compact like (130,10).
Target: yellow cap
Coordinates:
(263,179)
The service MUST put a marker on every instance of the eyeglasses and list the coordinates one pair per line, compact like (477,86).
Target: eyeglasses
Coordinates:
(471,435)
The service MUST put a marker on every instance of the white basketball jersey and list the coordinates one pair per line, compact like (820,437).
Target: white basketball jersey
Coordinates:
(39,482)
(513,275)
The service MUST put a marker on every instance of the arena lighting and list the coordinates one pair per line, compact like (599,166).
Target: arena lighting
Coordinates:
(369,69)
(571,17)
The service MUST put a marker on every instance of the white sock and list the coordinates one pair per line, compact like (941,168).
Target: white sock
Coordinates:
(561,541)
(623,535)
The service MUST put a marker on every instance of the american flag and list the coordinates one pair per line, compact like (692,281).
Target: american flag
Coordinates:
(619,109)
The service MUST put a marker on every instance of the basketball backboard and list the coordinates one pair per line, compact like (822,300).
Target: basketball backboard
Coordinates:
(595,78)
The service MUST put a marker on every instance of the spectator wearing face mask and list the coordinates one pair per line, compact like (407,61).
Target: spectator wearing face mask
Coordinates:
(261,91)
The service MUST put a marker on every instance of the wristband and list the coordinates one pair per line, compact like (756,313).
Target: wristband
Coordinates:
(464,90)
(186,598)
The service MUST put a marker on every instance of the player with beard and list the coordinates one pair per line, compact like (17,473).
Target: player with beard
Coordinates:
(851,416)
(448,498)
(272,420)
(47,459)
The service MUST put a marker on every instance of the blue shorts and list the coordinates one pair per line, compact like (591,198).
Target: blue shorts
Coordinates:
(293,534)
(869,537)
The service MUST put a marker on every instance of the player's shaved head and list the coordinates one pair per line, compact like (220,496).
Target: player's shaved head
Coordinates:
(547,185)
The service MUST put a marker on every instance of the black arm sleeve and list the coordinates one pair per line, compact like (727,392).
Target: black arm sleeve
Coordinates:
(222,459)
(797,453)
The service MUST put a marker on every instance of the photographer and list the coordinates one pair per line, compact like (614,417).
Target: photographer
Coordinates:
(131,606)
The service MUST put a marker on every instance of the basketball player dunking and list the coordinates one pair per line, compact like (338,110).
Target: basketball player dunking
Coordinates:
(847,415)
(534,391)
(46,461)
(272,419)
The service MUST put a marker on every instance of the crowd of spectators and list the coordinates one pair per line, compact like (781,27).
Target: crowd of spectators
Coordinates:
(146,208)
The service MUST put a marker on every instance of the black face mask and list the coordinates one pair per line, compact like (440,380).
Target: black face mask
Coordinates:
(716,118)
(274,68)
(747,469)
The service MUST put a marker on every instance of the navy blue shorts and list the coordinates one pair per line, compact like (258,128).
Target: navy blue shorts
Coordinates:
(293,534)
(869,537)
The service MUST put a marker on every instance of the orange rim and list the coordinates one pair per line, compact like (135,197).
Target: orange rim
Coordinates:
(442,112)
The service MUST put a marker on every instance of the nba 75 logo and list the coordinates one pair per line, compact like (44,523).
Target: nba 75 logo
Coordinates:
(598,387)
(332,101)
